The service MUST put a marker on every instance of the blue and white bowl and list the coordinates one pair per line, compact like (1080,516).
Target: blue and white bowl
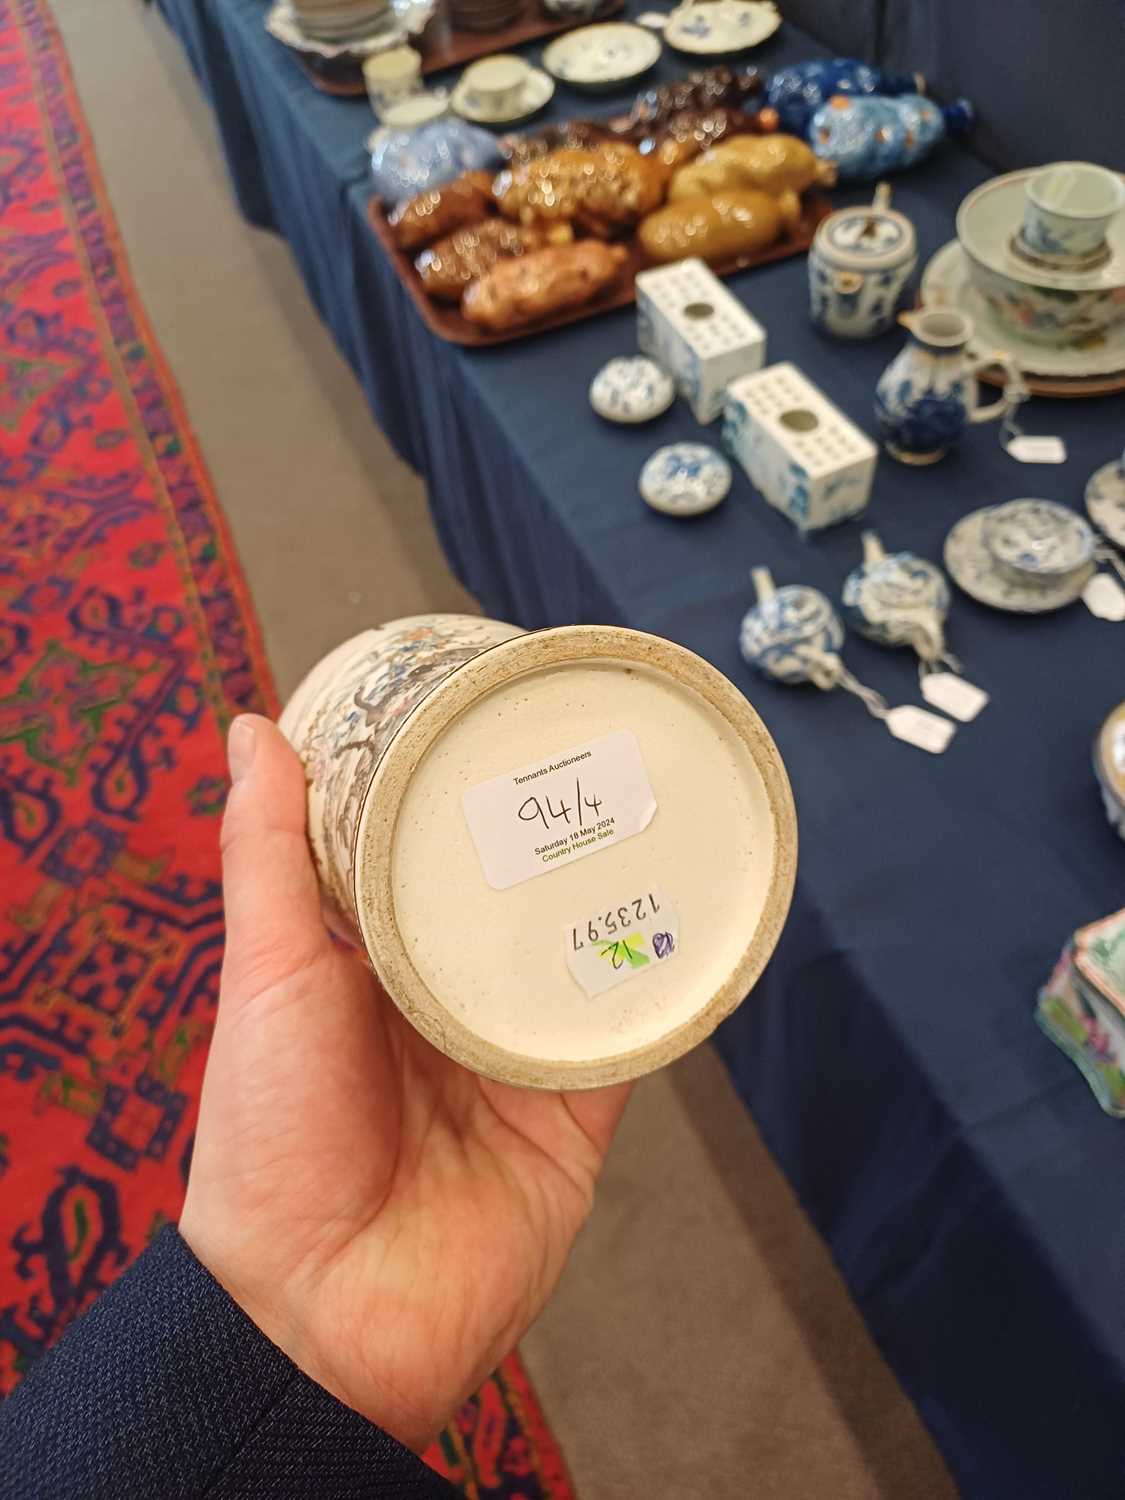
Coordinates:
(1105,500)
(631,390)
(685,479)
(788,635)
(1038,541)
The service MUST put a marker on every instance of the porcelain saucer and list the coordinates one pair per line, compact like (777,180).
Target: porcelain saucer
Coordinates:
(685,479)
(631,389)
(715,27)
(973,568)
(538,91)
(946,283)
(1105,501)
(601,58)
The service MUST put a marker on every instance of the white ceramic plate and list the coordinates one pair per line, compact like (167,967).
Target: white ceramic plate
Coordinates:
(717,27)
(602,57)
(972,567)
(1105,501)
(538,92)
(946,283)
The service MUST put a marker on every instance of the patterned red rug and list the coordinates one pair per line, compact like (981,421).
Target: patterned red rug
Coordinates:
(127,643)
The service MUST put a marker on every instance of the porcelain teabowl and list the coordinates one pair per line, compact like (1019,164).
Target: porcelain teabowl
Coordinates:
(631,390)
(568,853)
(898,600)
(971,563)
(1036,541)
(685,479)
(860,262)
(1070,206)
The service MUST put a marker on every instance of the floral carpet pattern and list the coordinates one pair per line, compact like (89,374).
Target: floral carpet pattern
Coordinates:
(127,644)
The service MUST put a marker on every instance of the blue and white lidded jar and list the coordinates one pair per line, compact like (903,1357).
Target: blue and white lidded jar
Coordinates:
(860,262)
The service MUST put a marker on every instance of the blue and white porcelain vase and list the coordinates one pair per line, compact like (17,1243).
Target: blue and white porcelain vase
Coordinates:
(859,264)
(926,396)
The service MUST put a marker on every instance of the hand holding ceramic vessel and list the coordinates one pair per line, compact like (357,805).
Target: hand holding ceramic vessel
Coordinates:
(391,1221)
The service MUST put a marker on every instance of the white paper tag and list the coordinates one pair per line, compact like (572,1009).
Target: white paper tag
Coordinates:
(653,20)
(1026,449)
(1104,597)
(917,727)
(953,695)
(630,938)
(559,809)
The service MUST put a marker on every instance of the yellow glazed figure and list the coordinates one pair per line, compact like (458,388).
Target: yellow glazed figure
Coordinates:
(719,227)
(771,163)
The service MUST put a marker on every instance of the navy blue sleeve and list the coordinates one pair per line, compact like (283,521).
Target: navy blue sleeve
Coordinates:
(166,1388)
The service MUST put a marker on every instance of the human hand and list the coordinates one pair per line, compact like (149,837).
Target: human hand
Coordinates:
(390,1220)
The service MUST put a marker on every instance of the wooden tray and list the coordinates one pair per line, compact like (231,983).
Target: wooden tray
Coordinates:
(446,321)
(443,46)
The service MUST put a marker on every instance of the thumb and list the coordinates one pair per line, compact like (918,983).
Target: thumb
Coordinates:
(270,890)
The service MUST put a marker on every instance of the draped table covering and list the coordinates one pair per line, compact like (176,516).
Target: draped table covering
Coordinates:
(971,1191)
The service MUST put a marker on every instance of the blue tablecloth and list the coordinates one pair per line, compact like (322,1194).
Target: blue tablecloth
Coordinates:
(971,1191)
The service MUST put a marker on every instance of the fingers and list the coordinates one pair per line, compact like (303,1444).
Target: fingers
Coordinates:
(597,1112)
(270,891)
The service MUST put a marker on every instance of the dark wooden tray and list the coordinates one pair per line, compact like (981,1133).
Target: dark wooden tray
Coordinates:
(446,321)
(442,45)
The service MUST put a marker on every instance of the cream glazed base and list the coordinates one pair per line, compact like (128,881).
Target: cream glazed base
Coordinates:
(482,972)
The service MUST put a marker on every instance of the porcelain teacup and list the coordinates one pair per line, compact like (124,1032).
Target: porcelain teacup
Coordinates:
(391,76)
(495,85)
(1038,542)
(1070,206)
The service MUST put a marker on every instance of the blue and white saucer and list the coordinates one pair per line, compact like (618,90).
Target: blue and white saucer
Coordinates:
(631,390)
(1105,500)
(685,479)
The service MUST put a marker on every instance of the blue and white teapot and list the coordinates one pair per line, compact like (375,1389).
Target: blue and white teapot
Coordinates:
(859,264)
(900,600)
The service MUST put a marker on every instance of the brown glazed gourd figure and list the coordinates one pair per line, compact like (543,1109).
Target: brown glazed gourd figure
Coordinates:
(771,163)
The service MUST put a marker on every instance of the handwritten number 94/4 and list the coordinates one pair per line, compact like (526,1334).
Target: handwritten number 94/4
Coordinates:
(547,813)
(612,922)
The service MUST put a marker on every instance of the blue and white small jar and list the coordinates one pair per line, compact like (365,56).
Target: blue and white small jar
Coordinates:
(685,479)
(631,389)
(859,265)
(898,600)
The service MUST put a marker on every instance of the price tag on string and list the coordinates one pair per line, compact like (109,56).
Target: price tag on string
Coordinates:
(1104,597)
(1024,447)
(925,731)
(953,695)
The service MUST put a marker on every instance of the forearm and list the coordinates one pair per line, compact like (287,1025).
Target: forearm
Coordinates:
(167,1388)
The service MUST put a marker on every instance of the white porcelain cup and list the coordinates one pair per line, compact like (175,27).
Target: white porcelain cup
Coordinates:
(391,76)
(495,85)
(1070,205)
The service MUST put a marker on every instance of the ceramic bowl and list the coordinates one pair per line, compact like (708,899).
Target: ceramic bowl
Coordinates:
(1035,541)
(631,390)
(1070,206)
(1109,767)
(406,162)
(788,634)
(1064,309)
(714,28)
(601,58)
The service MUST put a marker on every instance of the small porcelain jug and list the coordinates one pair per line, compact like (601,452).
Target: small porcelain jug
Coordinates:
(926,396)
(861,260)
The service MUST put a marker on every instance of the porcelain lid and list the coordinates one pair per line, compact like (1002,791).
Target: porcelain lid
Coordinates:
(866,238)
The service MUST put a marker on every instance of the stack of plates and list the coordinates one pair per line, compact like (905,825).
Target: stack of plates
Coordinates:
(1082,1007)
(340,20)
(484,15)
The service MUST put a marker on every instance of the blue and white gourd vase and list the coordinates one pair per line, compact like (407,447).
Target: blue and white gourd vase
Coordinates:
(869,137)
(798,92)
(926,396)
